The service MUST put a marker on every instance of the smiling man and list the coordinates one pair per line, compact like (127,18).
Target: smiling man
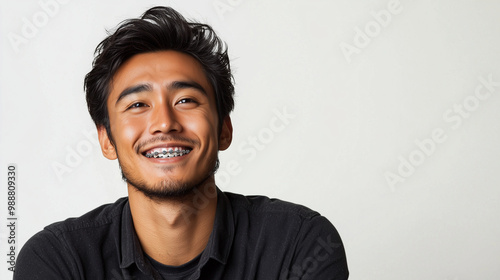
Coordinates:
(160,93)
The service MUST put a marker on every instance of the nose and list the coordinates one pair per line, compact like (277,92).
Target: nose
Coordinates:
(163,120)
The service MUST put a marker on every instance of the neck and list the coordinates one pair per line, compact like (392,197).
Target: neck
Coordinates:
(175,231)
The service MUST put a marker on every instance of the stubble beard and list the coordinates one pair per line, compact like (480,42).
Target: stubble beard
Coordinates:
(168,189)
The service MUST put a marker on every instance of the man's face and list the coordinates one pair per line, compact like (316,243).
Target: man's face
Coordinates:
(164,124)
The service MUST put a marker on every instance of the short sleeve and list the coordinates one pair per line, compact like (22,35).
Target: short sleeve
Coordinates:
(319,252)
(44,256)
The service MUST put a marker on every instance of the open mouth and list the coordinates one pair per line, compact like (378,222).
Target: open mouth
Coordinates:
(169,152)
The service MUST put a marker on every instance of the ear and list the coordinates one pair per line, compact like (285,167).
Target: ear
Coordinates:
(107,147)
(226,134)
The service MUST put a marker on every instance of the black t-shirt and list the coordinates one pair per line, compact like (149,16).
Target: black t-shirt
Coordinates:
(181,272)
(254,237)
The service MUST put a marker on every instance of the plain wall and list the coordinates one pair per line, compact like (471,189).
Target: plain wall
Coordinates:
(381,115)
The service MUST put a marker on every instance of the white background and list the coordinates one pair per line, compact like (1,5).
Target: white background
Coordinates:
(353,119)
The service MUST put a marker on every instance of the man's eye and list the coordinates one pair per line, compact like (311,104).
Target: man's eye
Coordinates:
(137,105)
(186,100)
(187,103)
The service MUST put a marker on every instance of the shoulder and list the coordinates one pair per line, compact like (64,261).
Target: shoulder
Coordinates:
(259,204)
(101,216)
(54,251)
(301,236)
(277,215)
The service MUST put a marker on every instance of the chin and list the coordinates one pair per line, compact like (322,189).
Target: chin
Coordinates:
(165,189)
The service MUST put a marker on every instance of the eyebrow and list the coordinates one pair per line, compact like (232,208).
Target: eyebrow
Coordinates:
(186,84)
(170,87)
(132,90)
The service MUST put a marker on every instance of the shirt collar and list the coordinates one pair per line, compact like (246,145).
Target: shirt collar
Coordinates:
(218,246)
(221,238)
(131,251)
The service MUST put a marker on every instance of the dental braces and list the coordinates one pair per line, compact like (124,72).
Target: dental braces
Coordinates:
(168,154)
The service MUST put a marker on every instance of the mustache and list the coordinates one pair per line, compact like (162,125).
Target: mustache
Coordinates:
(166,138)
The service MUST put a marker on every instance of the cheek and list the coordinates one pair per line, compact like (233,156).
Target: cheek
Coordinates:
(127,130)
(204,126)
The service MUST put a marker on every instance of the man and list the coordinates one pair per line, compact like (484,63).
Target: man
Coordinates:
(160,93)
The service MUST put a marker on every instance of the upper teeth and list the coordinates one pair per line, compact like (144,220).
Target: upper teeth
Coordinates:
(167,152)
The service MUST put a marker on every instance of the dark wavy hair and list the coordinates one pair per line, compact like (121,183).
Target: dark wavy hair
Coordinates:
(159,28)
